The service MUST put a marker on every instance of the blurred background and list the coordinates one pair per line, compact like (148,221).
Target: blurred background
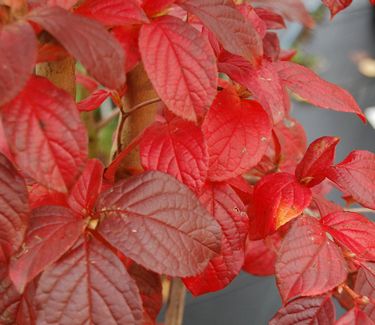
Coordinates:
(341,51)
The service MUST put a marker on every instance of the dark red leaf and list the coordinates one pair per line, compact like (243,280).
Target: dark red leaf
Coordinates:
(181,66)
(49,52)
(237,134)
(127,36)
(277,199)
(52,231)
(308,85)
(355,316)
(293,10)
(263,82)
(318,310)
(94,100)
(87,41)
(260,255)
(150,288)
(57,149)
(14,209)
(177,148)
(40,195)
(352,231)
(335,6)
(84,193)
(238,37)
(10,298)
(223,203)
(317,159)
(302,268)
(4,148)
(355,176)
(270,18)
(271,46)
(113,12)
(15,67)
(158,222)
(88,285)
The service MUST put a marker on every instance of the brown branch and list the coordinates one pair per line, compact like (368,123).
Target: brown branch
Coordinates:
(176,303)
(360,210)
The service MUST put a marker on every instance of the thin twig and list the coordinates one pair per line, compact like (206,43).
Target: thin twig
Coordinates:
(143,104)
(360,210)
(176,303)
(103,123)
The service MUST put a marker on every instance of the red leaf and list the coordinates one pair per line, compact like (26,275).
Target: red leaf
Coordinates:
(250,15)
(335,6)
(237,133)
(88,285)
(56,151)
(324,206)
(49,52)
(150,288)
(277,199)
(227,208)
(10,298)
(263,81)
(291,9)
(365,286)
(318,157)
(355,175)
(355,316)
(128,36)
(302,268)
(308,85)
(40,195)
(181,66)
(318,310)
(293,143)
(4,148)
(260,255)
(94,100)
(87,41)
(177,148)
(16,67)
(152,7)
(14,209)
(352,231)
(270,18)
(238,37)
(159,223)
(113,12)
(84,193)
(52,231)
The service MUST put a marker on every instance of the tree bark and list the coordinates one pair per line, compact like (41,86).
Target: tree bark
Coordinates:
(176,303)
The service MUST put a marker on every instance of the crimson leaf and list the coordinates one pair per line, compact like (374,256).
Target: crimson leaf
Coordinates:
(308,85)
(52,231)
(365,286)
(238,37)
(14,209)
(15,67)
(56,151)
(277,199)
(87,41)
(88,285)
(177,148)
(159,223)
(335,6)
(84,193)
(355,175)
(352,231)
(306,310)
(302,268)
(113,12)
(318,157)
(94,100)
(237,133)
(181,66)
(224,204)
(10,298)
